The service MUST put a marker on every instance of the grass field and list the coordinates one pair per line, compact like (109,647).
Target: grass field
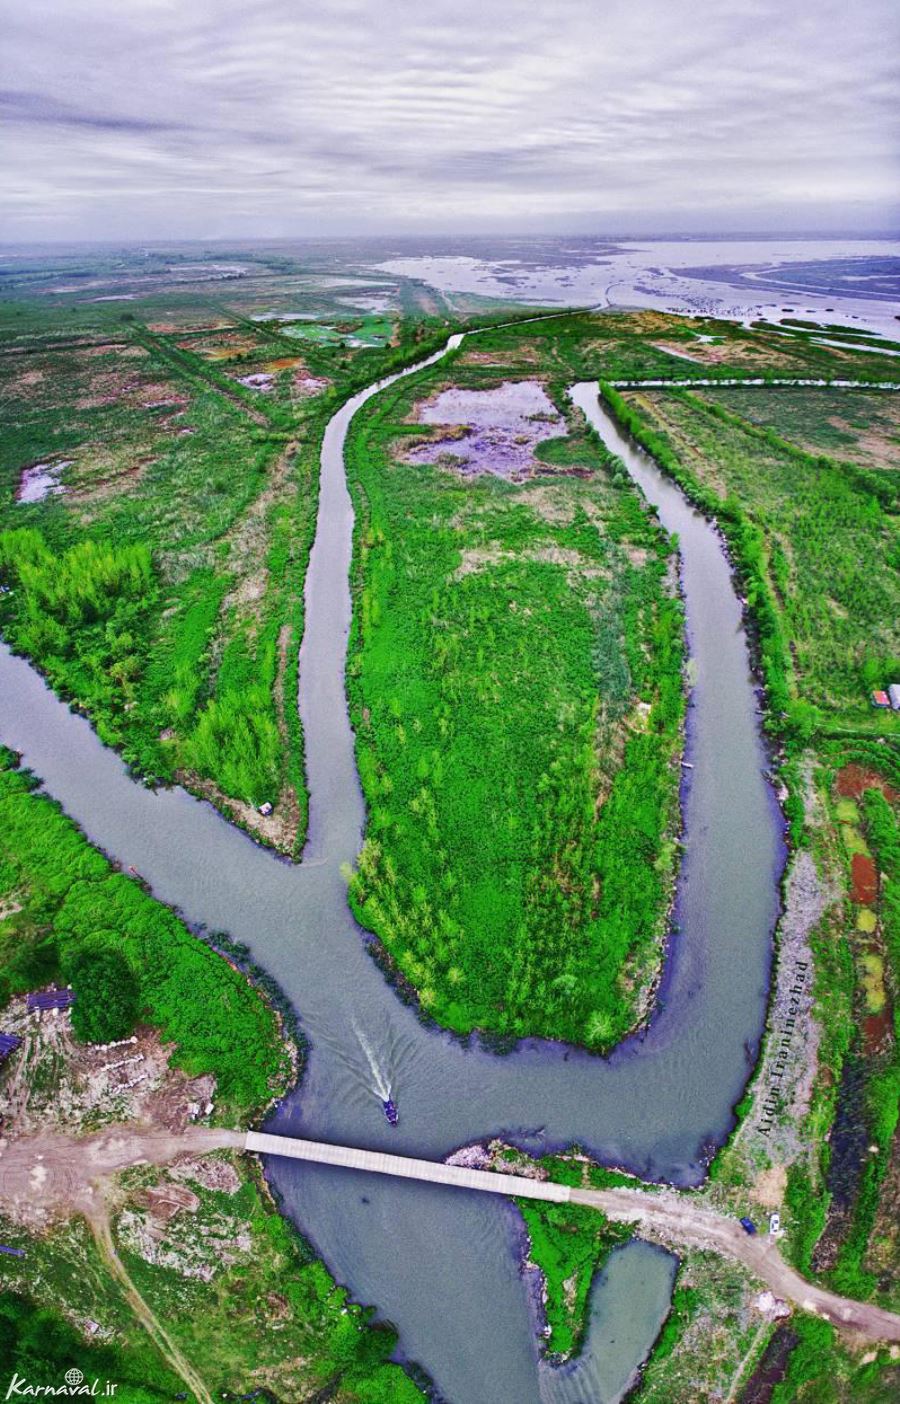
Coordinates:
(183,666)
(826,540)
(180,428)
(859,426)
(515,678)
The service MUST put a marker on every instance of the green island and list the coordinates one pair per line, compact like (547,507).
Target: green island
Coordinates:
(515,681)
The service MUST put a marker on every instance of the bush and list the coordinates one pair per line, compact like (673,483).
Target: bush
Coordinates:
(107,994)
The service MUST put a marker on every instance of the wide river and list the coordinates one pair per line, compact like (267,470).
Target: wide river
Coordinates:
(442,1263)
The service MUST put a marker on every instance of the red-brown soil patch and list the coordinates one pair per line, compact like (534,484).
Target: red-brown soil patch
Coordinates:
(863,879)
(283,363)
(876,1030)
(853,780)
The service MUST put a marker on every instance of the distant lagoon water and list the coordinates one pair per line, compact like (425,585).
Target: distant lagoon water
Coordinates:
(845,282)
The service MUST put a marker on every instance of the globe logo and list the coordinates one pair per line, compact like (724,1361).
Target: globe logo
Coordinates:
(74,1377)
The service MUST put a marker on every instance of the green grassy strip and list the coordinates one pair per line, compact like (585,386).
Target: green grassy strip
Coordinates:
(570,1244)
(806,1202)
(877,484)
(747,545)
(71,895)
(833,546)
(849,1275)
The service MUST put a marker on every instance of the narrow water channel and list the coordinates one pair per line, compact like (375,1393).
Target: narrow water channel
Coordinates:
(439,1262)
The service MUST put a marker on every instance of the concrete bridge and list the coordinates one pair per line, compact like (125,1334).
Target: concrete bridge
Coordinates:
(677,1219)
(380,1163)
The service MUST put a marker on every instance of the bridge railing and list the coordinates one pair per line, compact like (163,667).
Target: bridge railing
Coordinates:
(381,1163)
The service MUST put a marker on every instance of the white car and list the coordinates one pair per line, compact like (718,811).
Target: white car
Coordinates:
(775,1225)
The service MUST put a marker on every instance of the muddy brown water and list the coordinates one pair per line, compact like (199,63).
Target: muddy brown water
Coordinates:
(443,1264)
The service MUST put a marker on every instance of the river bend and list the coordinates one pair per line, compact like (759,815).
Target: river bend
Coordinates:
(440,1264)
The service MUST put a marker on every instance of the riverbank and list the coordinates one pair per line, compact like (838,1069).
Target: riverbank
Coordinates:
(828,1034)
(202,1233)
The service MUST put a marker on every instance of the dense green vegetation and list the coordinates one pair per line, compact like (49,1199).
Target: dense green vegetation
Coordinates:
(272,1319)
(798,527)
(322,1345)
(39,1346)
(569,1243)
(515,679)
(821,1370)
(107,992)
(62,898)
(153,590)
(199,494)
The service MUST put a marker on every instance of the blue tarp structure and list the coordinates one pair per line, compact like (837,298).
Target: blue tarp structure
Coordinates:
(50,999)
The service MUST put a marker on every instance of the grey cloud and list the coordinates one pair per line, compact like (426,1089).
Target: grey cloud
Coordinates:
(153,118)
(42,108)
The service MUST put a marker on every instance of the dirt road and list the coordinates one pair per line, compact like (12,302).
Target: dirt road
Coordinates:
(675,1220)
(100,1226)
(51,1176)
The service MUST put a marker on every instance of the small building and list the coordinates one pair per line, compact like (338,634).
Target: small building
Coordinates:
(265,809)
(894,695)
(50,999)
(880,699)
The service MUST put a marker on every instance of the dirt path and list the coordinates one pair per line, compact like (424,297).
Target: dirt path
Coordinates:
(194,371)
(51,1176)
(100,1227)
(675,1220)
(738,1380)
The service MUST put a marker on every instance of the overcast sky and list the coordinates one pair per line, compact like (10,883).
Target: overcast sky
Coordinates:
(156,118)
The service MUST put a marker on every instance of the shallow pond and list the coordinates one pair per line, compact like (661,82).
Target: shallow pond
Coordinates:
(503,426)
(41,480)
